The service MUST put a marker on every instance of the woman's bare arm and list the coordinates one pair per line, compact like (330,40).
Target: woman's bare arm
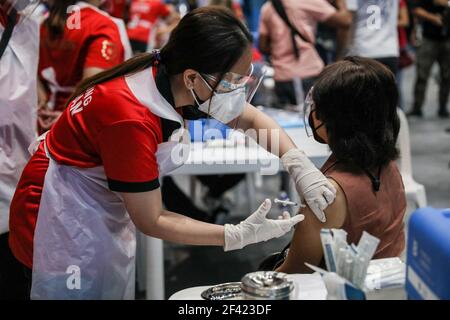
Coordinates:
(306,245)
(266,131)
(403,17)
(147,213)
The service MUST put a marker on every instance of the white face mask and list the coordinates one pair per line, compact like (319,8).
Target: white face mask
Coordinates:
(223,107)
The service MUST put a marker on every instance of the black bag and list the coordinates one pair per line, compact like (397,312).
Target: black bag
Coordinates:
(279,8)
(274,260)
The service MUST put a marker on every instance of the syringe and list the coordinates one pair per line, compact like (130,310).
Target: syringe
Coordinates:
(286,202)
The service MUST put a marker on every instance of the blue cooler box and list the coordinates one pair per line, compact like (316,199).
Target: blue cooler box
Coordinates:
(208,129)
(428,259)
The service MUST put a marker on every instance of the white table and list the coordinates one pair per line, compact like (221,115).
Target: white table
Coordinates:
(206,161)
(307,287)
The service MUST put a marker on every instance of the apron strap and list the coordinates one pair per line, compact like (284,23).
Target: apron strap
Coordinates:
(7,33)
(35,145)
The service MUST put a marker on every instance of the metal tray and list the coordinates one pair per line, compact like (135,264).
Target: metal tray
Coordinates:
(225,291)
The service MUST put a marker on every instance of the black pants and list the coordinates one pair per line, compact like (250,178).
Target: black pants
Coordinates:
(219,184)
(429,52)
(15,278)
(390,62)
(175,200)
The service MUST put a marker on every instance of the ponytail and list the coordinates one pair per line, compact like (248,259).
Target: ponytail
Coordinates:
(56,20)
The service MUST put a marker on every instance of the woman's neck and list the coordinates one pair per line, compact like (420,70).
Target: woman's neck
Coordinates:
(181,95)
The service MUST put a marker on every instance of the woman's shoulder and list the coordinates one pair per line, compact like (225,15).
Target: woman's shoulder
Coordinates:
(112,99)
(337,211)
(98,21)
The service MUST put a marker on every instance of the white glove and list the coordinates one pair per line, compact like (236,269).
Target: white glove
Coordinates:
(317,191)
(258,228)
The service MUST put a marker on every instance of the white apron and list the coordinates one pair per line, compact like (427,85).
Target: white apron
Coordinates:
(85,241)
(18,104)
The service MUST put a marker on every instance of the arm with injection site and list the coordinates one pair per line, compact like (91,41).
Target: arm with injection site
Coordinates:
(147,213)
(306,245)
(309,181)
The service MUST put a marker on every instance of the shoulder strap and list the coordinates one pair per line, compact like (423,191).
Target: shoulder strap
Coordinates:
(7,33)
(279,8)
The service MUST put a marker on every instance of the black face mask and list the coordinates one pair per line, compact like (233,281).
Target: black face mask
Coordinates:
(191,112)
(314,130)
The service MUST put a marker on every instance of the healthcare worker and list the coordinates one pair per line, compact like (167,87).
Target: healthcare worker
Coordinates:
(95,177)
(78,40)
(19,34)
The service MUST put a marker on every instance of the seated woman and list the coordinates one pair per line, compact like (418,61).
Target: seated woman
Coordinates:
(352,108)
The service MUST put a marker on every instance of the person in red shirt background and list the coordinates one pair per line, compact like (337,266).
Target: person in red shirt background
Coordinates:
(116,8)
(76,43)
(143,17)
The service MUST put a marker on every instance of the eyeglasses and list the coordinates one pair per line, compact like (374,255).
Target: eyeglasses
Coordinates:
(233,81)
(230,81)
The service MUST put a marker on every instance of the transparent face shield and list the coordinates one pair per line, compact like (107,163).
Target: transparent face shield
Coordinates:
(233,81)
(239,89)
(308,107)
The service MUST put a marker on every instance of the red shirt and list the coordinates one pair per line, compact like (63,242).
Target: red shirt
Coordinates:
(143,14)
(116,8)
(402,37)
(62,61)
(105,126)
(3,17)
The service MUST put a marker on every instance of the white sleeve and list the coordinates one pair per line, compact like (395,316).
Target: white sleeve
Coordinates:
(352,5)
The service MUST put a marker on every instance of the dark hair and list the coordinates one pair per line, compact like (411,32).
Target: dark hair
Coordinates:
(209,40)
(357,100)
(57,17)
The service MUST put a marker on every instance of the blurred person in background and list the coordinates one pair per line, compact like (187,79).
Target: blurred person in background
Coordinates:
(117,8)
(435,47)
(405,59)
(143,18)
(290,42)
(230,4)
(19,47)
(374,33)
(76,43)
(252,11)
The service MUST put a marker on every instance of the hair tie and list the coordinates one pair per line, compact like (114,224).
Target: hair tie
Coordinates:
(157,56)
